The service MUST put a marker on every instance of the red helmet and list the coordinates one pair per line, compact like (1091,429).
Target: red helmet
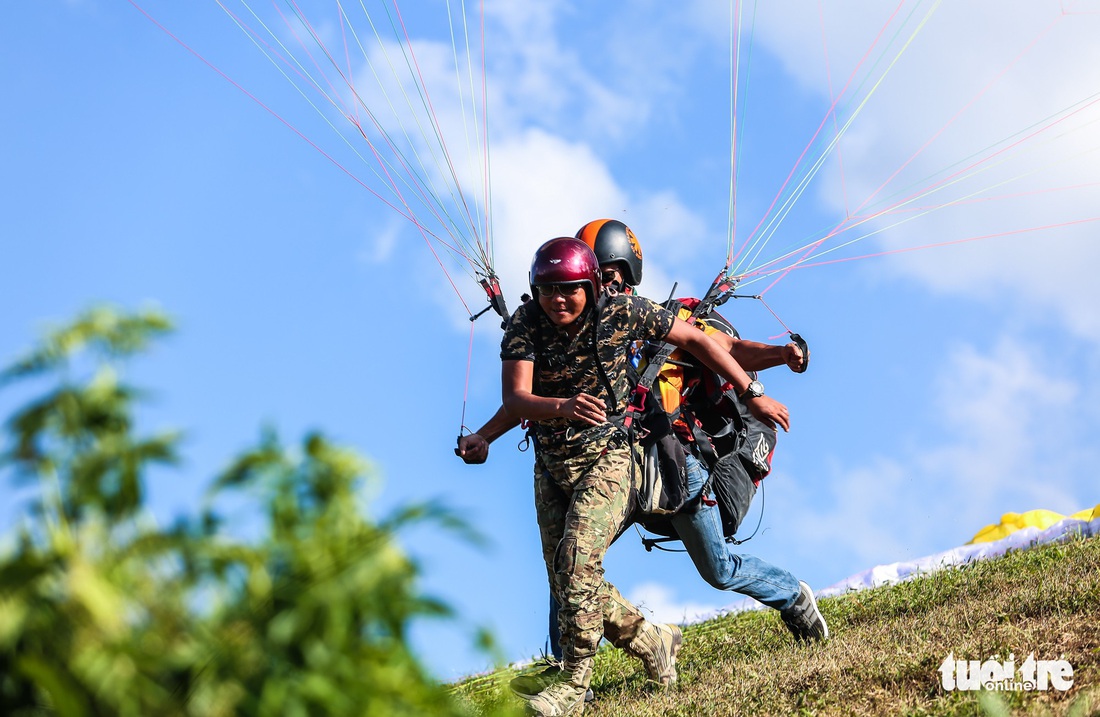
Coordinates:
(613,242)
(565,260)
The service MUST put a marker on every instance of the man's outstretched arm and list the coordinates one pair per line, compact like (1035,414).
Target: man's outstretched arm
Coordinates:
(715,356)
(474,448)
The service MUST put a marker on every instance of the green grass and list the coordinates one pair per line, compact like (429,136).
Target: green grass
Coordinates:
(885,649)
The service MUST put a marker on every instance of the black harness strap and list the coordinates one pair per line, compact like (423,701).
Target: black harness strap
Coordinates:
(652,369)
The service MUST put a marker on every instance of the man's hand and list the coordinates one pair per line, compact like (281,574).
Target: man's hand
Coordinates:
(472,449)
(583,407)
(803,349)
(794,358)
(770,411)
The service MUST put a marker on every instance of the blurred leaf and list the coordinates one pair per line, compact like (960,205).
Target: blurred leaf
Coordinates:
(102,329)
(102,612)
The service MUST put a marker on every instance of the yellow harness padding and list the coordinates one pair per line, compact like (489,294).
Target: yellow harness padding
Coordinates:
(670,380)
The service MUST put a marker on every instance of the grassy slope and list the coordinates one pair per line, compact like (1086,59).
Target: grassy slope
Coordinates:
(887,645)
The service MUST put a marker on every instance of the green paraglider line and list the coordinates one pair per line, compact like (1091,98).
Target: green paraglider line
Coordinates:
(428,198)
(296,131)
(806,149)
(851,222)
(418,185)
(904,250)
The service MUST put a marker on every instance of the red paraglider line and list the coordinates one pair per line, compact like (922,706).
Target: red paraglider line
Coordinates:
(936,245)
(269,48)
(984,160)
(270,111)
(347,58)
(997,198)
(891,208)
(393,184)
(824,120)
(958,114)
(335,97)
(334,100)
(423,192)
(424,232)
(1070,11)
(466,382)
(431,109)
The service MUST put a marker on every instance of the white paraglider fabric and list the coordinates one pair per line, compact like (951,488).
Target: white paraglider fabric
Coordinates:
(1020,530)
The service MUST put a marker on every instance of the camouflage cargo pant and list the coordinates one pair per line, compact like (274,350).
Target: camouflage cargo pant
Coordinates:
(582,502)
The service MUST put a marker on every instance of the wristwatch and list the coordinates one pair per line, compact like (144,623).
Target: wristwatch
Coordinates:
(755,389)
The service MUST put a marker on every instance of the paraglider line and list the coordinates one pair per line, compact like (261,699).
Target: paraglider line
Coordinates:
(270,111)
(937,245)
(824,120)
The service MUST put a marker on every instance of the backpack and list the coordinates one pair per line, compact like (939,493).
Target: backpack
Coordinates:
(712,424)
(727,421)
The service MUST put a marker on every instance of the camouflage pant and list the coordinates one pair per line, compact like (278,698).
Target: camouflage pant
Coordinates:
(582,502)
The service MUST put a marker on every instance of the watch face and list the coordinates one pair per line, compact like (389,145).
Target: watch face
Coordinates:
(755,389)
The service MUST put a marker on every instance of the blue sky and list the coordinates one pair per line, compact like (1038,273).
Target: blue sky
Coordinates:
(947,386)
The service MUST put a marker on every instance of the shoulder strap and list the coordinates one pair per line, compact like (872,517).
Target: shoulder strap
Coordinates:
(608,386)
(663,352)
(653,367)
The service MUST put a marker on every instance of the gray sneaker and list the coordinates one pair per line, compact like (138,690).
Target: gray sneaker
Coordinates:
(803,618)
(537,678)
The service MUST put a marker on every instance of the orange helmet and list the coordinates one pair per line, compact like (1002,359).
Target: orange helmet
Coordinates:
(613,242)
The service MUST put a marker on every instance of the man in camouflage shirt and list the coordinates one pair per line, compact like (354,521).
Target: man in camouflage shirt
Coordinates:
(565,361)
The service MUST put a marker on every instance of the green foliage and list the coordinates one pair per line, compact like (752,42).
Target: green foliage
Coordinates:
(79,436)
(104,614)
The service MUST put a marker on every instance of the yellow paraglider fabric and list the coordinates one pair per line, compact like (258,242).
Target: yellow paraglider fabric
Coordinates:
(1088,513)
(1041,519)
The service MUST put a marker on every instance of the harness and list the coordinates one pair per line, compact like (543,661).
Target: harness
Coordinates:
(713,425)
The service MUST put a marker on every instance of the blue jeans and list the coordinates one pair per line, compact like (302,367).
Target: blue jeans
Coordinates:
(701,533)
(715,559)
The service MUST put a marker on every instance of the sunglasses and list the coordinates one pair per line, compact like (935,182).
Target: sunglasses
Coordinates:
(563,289)
(609,277)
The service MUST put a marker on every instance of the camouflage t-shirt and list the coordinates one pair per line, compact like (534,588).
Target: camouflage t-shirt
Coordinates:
(567,365)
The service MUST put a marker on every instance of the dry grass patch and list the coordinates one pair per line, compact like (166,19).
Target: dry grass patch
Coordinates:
(886,649)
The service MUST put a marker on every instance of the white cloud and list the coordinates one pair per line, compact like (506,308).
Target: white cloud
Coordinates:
(545,187)
(539,81)
(1009,439)
(660,604)
(978,83)
(594,92)
(1011,417)
(550,107)
(561,109)
(380,242)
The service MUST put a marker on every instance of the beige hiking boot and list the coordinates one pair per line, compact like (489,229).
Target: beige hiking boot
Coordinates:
(656,646)
(557,700)
(565,697)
